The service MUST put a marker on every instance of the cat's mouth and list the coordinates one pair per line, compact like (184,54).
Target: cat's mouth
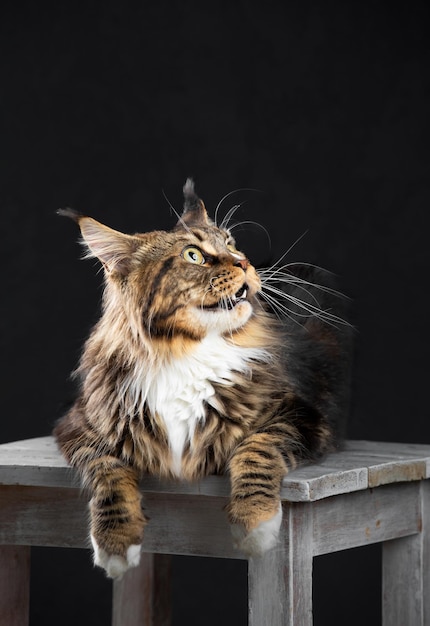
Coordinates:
(229,302)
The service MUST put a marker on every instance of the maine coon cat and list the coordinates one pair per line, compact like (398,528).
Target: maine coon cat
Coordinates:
(198,365)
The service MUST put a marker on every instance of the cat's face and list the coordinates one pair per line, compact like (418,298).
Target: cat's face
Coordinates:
(190,281)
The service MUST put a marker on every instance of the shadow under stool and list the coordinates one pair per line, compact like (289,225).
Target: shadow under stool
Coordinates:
(367,493)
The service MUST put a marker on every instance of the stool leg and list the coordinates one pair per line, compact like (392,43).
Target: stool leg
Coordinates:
(142,596)
(280,583)
(406,574)
(14,585)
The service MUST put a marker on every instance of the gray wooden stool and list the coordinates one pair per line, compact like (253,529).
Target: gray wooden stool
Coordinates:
(370,492)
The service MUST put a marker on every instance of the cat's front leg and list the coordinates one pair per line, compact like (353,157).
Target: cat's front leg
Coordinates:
(255,511)
(116,517)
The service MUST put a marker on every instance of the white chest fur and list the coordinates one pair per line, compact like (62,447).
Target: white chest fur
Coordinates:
(178,389)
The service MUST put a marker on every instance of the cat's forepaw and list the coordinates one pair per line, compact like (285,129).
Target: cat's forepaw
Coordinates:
(116,565)
(261,538)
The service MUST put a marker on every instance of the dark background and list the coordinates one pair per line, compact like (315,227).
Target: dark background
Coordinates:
(322,107)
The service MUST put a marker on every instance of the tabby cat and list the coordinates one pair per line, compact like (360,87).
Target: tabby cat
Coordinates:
(190,372)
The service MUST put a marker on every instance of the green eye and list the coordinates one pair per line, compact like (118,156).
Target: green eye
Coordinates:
(193,255)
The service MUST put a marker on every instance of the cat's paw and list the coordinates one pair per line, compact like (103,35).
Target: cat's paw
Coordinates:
(116,565)
(261,538)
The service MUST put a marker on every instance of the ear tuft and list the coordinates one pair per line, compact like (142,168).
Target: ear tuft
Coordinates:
(189,188)
(194,209)
(67,212)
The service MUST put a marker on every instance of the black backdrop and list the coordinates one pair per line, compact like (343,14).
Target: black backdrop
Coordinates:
(322,107)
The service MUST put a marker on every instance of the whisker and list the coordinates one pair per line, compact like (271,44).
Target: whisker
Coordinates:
(227,195)
(300,283)
(273,279)
(276,263)
(302,263)
(282,274)
(229,319)
(280,310)
(273,303)
(172,208)
(255,224)
(311,310)
(202,306)
(281,292)
(229,215)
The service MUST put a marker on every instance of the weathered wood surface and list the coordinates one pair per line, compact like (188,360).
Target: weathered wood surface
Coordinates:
(52,516)
(406,573)
(280,583)
(329,506)
(361,464)
(43,516)
(370,516)
(142,596)
(197,525)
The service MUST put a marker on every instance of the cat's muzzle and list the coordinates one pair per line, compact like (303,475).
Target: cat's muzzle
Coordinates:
(229,302)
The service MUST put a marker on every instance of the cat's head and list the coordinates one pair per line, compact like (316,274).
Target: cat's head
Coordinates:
(189,281)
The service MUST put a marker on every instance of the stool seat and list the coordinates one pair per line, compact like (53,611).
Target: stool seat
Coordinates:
(366,493)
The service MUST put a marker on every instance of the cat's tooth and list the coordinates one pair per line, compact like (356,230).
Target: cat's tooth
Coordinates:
(234,298)
(244,294)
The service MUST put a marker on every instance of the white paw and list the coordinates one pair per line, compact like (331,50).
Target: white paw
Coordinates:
(114,564)
(261,538)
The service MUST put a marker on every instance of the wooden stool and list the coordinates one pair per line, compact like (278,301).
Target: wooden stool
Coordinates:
(370,492)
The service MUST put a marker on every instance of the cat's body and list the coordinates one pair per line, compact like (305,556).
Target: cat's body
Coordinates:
(187,373)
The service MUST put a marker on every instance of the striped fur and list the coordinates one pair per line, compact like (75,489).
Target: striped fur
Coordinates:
(186,374)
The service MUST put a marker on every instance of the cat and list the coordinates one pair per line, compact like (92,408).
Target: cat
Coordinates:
(200,364)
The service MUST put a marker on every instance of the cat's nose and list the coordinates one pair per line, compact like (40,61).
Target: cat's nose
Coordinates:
(243,263)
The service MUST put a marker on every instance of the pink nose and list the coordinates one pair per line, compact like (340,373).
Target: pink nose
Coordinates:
(243,263)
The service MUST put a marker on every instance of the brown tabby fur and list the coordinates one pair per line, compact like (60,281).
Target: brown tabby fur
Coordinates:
(259,424)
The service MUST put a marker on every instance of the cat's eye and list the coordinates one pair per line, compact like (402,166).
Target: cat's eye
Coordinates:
(231,247)
(193,255)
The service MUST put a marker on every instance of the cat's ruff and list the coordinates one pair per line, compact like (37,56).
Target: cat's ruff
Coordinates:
(177,389)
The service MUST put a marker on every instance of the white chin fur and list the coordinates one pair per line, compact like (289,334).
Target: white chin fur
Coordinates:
(114,564)
(261,539)
(223,320)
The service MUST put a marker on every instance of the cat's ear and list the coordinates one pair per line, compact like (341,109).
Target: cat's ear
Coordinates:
(113,249)
(194,213)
